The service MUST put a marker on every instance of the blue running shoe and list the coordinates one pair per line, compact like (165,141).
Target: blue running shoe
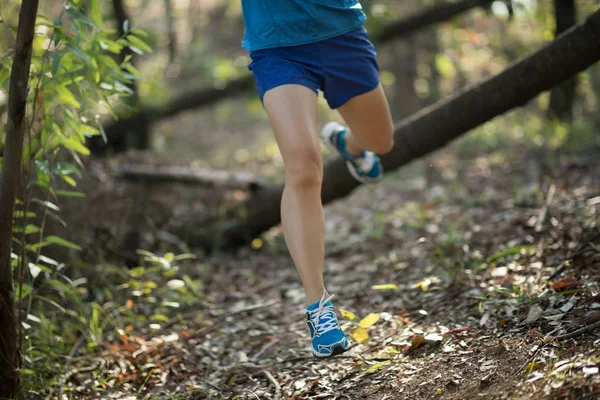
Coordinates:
(328,339)
(365,168)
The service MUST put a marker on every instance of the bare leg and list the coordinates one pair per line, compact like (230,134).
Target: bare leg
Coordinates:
(369,122)
(292,110)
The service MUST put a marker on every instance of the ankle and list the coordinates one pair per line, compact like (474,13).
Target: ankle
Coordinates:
(313,296)
(351,147)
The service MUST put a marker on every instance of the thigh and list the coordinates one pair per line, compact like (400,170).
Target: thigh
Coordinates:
(292,110)
(368,116)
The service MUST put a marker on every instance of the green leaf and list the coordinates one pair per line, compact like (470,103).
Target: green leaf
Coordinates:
(23,290)
(68,193)
(29,229)
(139,32)
(102,131)
(69,180)
(111,46)
(55,62)
(75,145)
(20,214)
(89,130)
(95,13)
(510,251)
(65,96)
(62,242)
(4,74)
(160,317)
(79,53)
(139,43)
(109,62)
(377,367)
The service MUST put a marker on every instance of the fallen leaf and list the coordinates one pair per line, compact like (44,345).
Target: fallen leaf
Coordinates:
(565,308)
(535,312)
(532,366)
(360,334)
(349,315)
(376,367)
(590,370)
(389,286)
(434,338)
(417,341)
(369,320)
(564,284)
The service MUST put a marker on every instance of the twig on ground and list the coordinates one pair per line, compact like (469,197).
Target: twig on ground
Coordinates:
(264,348)
(211,328)
(273,381)
(544,211)
(579,331)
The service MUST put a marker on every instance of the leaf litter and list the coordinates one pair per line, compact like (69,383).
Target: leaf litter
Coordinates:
(460,288)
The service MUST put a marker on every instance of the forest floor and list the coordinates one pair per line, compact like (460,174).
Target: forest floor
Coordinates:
(458,279)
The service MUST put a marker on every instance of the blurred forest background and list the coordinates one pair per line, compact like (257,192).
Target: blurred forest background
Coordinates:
(473,269)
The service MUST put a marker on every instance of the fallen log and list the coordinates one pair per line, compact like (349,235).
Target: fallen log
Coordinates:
(208,96)
(427,17)
(424,132)
(188,175)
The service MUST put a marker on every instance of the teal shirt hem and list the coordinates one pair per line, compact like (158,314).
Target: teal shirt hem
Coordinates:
(325,36)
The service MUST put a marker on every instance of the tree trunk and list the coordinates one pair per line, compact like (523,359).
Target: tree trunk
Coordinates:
(9,181)
(425,131)
(139,135)
(563,96)
(209,96)
(171,31)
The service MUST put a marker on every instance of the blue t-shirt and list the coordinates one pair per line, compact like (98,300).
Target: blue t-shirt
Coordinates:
(279,23)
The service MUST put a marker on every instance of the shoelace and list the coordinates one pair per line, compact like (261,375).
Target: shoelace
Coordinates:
(323,317)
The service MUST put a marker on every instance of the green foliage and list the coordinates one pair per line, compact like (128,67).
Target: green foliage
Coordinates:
(75,78)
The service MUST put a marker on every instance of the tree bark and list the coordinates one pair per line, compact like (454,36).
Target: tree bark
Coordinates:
(193,176)
(424,132)
(139,135)
(209,96)
(171,31)
(563,96)
(427,17)
(9,182)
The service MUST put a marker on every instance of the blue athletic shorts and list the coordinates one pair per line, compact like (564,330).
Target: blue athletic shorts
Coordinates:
(342,67)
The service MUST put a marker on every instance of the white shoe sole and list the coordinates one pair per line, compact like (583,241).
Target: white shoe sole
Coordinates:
(336,352)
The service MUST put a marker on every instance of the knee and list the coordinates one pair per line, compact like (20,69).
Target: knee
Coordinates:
(385,141)
(304,169)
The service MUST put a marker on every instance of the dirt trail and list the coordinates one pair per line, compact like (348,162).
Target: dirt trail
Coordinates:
(475,262)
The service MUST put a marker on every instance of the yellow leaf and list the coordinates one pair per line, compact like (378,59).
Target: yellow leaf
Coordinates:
(360,335)
(349,315)
(369,320)
(389,286)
